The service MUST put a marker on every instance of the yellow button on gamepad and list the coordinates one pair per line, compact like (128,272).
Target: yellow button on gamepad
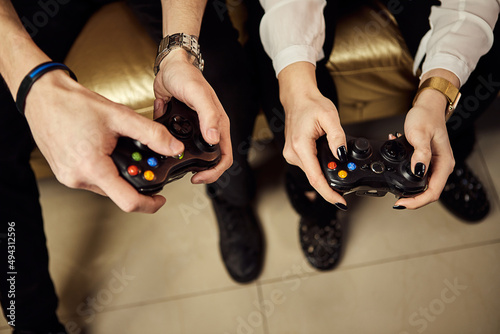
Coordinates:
(149,175)
(342,174)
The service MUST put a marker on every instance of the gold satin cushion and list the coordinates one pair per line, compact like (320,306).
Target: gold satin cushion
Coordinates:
(114,56)
(371,65)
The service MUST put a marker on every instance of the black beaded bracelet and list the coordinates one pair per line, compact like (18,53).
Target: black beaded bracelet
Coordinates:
(33,76)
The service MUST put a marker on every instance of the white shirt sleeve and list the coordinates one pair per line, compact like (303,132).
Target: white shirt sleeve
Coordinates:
(461,32)
(293,31)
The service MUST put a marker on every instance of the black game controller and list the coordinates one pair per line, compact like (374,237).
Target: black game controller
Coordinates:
(148,171)
(373,168)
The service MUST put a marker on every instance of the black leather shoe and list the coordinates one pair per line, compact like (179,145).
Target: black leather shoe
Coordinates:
(241,240)
(464,195)
(321,241)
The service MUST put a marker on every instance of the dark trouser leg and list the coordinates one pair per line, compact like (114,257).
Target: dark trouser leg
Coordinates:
(34,296)
(229,74)
(227,71)
(53,28)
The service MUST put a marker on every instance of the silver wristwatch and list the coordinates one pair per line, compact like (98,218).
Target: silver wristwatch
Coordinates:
(175,41)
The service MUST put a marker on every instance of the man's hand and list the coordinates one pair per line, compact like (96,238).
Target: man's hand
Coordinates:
(178,77)
(309,115)
(77,130)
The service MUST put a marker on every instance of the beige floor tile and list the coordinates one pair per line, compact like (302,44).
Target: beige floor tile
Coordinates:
(95,247)
(374,231)
(451,292)
(224,312)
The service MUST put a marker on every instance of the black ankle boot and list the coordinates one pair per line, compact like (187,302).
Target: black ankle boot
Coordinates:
(241,240)
(464,195)
(320,233)
(321,241)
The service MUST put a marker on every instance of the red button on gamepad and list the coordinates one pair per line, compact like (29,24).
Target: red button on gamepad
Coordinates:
(133,170)
(332,165)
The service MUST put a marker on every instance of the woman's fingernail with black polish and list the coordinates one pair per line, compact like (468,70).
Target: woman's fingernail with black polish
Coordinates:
(399,207)
(342,153)
(420,169)
(341,206)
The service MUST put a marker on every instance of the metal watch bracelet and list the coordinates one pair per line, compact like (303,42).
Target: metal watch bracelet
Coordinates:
(176,41)
(446,88)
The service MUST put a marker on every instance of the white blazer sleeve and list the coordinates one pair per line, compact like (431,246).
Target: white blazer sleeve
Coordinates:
(293,31)
(461,32)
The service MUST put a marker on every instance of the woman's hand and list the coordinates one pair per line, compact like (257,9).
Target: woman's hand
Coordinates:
(309,115)
(425,130)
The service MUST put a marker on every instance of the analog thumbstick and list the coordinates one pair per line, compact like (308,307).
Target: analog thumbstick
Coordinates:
(394,151)
(180,126)
(361,148)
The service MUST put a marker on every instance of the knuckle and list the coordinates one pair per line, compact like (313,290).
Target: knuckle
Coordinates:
(289,155)
(314,181)
(89,168)
(222,167)
(338,134)
(214,118)
(225,118)
(156,131)
(129,206)
(425,151)
(434,197)
(69,180)
(229,162)
(452,164)
(295,143)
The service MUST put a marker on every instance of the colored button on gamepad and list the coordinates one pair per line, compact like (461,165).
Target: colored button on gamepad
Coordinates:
(136,156)
(152,162)
(332,165)
(133,170)
(351,166)
(342,174)
(149,175)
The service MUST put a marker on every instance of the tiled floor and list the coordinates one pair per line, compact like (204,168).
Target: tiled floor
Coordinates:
(402,271)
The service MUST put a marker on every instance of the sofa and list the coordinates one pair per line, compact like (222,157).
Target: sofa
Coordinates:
(370,64)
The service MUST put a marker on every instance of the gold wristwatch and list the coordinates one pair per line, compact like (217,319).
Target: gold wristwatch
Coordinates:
(175,41)
(446,88)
